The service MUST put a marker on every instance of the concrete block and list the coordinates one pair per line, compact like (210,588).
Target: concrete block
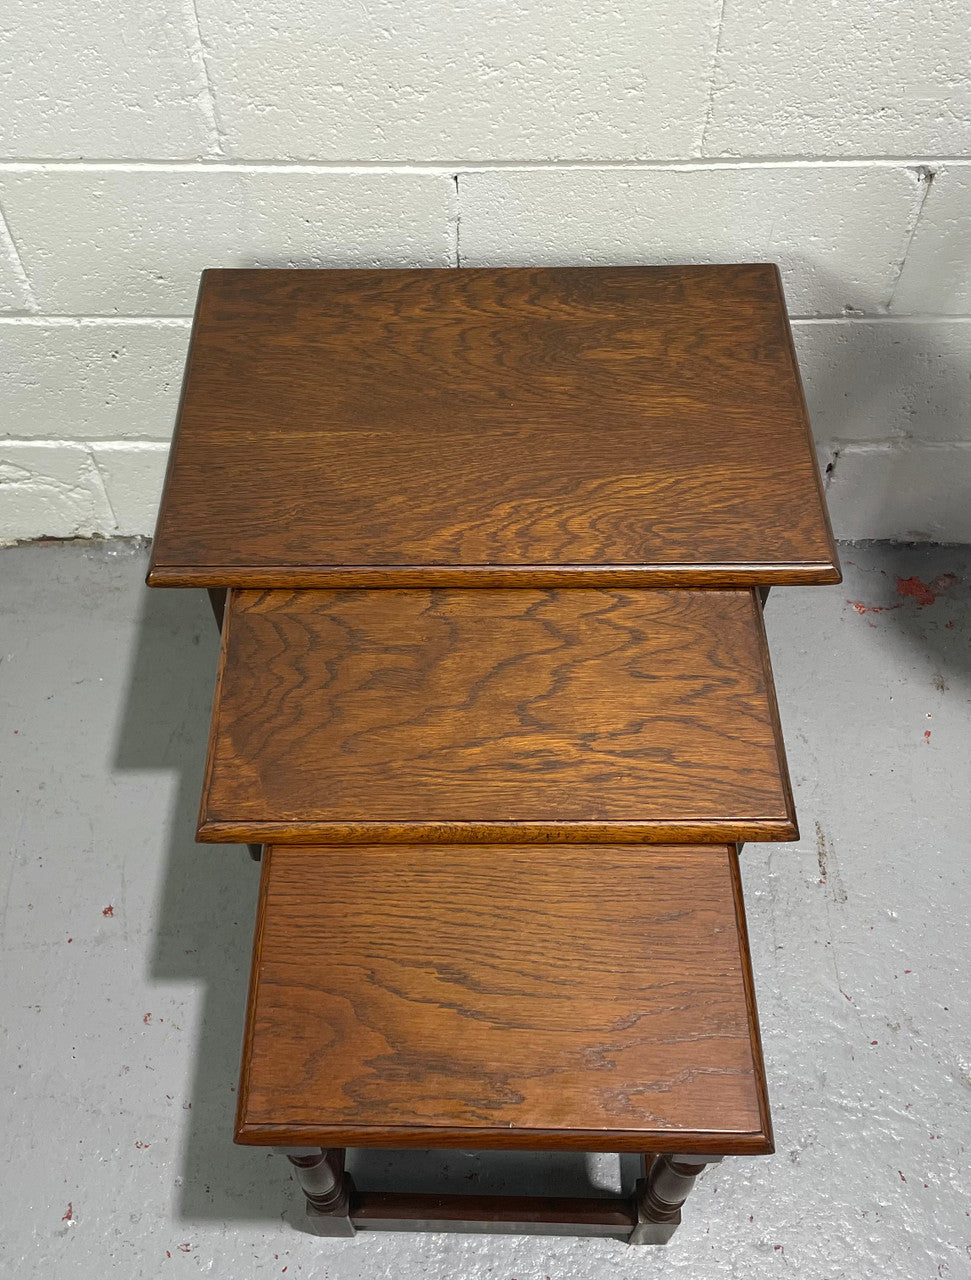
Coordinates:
(837,233)
(936,276)
(911,493)
(50,491)
(434,80)
(133,476)
(854,78)
(103,81)
(134,242)
(877,381)
(82,381)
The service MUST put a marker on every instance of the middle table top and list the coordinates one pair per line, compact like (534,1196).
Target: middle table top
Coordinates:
(506,716)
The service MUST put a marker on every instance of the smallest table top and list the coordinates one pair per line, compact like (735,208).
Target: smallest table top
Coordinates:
(581,426)
(502,998)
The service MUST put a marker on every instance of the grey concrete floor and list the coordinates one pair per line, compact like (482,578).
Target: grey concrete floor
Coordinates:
(125,951)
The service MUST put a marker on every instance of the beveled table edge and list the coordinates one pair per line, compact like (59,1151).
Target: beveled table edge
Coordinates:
(661,1141)
(705,831)
(469,577)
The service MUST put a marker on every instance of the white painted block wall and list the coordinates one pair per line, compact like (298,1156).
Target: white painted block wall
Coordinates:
(139,144)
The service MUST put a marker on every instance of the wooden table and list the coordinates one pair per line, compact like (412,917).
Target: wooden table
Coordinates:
(577,426)
(443,715)
(488,550)
(593,998)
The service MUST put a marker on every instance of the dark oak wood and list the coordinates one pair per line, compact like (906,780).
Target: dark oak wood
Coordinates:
(611,426)
(664,1189)
(610,1217)
(336,1207)
(593,999)
(327,1188)
(505,716)
(217,600)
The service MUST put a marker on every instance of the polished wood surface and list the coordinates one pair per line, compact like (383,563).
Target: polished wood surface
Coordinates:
(513,427)
(497,715)
(590,999)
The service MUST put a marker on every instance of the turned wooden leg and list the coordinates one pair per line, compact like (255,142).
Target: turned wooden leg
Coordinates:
(327,1187)
(217,598)
(662,1192)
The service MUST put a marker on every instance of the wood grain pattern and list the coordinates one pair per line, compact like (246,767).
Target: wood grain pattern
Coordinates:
(498,715)
(506,997)
(510,427)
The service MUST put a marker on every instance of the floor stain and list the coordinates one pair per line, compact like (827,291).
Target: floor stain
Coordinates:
(827,865)
(925,593)
(860,607)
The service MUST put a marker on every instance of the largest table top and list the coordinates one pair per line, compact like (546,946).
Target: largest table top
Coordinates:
(623,426)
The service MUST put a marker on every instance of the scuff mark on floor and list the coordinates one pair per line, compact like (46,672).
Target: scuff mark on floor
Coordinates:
(827,864)
(861,608)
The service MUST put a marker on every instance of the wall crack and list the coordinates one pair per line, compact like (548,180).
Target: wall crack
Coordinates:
(718,25)
(200,56)
(17,262)
(925,176)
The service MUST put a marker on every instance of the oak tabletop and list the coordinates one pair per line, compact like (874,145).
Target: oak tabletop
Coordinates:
(492,427)
(503,997)
(496,715)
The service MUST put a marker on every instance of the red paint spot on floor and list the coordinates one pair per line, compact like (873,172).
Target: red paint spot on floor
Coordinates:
(860,607)
(147,1019)
(185,1248)
(949,625)
(927,735)
(108,911)
(902,1178)
(916,590)
(142,1145)
(69,1216)
(872,1042)
(70,939)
